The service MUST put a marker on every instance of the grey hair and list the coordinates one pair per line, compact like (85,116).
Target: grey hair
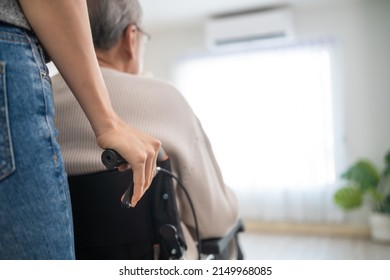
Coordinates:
(109,19)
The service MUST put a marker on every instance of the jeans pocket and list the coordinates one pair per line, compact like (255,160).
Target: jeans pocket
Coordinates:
(7,161)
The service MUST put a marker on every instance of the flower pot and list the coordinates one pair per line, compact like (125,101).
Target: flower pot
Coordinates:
(380,227)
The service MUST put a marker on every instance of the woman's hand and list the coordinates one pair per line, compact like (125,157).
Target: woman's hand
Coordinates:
(138,149)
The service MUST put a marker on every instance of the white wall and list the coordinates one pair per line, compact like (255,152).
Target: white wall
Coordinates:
(361,28)
(168,45)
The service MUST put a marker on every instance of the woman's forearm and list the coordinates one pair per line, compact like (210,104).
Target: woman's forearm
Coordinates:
(62,27)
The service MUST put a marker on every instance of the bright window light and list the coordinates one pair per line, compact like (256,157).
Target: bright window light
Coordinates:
(268,115)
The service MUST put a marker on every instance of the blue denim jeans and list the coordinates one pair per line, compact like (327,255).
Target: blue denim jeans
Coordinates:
(35,209)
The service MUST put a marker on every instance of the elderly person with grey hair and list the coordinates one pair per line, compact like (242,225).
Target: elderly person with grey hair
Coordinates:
(153,106)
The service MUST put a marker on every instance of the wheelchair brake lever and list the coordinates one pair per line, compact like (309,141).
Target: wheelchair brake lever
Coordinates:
(126,198)
(112,159)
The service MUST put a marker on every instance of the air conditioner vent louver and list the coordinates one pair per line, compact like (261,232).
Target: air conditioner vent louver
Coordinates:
(255,27)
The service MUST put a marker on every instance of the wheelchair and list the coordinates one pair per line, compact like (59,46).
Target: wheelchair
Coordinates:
(105,229)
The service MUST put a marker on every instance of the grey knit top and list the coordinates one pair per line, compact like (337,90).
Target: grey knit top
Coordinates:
(10,12)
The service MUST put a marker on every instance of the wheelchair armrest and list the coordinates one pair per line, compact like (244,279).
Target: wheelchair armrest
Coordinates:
(216,246)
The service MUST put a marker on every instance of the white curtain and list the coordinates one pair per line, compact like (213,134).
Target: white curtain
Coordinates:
(270,117)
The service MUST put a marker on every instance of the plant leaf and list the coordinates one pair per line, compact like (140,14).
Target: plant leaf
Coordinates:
(364,174)
(349,197)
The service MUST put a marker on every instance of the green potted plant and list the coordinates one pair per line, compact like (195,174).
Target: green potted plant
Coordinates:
(364,179)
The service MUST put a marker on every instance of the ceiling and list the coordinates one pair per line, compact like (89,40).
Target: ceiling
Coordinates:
(160,13)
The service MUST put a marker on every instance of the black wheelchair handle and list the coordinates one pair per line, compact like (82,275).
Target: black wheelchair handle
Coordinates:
(112,159)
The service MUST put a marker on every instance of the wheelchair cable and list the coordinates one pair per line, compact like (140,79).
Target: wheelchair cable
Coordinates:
(181,185)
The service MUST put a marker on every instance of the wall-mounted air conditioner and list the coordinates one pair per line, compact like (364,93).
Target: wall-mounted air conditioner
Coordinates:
(259,28)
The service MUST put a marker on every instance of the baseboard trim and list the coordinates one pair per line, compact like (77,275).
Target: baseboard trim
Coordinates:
(360,231)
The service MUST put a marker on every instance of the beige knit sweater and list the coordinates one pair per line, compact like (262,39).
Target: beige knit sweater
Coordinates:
(158,109)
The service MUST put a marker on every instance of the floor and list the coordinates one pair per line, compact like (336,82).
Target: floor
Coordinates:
(310,247)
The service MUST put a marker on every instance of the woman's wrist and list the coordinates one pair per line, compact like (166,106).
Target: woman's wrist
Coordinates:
(105,124)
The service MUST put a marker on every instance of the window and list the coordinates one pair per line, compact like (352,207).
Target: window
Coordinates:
(269,116)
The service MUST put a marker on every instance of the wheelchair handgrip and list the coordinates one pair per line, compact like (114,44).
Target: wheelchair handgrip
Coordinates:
(112,159)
